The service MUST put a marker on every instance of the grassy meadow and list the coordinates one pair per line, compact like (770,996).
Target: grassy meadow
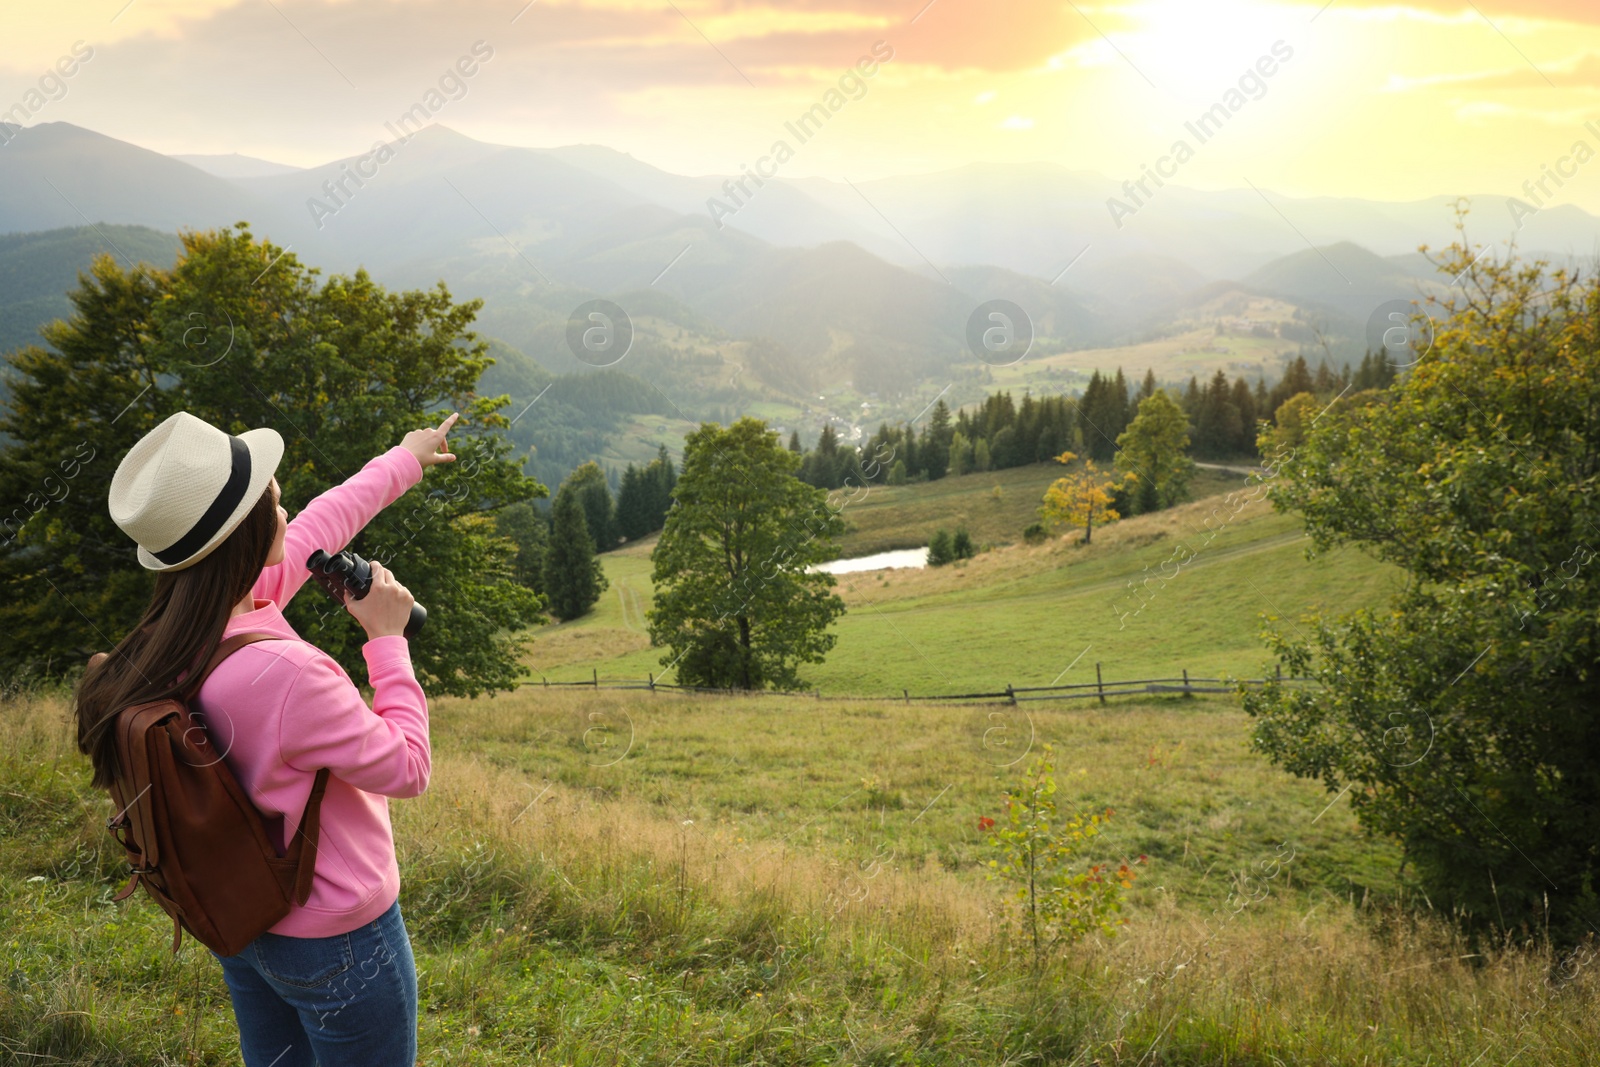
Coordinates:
(1190,588)
(993,506)
(634,878)
(610,877)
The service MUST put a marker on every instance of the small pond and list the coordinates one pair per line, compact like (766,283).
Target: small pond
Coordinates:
(900,557)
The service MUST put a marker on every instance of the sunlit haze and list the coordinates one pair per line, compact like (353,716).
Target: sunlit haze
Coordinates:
(1384,101)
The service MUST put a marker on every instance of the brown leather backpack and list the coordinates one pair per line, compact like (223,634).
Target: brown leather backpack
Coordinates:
(193,836)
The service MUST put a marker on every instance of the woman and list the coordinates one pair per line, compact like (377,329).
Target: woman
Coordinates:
(333,982)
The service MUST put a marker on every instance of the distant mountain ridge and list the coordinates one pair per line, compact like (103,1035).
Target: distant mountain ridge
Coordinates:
(872,282)
(1344,277)
(235,166)
(1032,219)
(56,175)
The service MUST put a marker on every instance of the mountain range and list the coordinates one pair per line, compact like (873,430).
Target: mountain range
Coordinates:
(869,283)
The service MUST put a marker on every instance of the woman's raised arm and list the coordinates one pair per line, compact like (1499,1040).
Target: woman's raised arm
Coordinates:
(334,517)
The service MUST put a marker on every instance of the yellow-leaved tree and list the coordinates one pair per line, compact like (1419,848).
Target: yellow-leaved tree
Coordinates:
(1079,499)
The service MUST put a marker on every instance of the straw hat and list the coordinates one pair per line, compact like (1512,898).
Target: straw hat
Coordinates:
(184,486)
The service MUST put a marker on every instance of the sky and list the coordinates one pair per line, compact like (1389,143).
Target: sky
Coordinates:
(1363,98)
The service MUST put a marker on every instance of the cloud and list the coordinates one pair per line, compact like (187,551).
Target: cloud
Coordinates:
(322,77)
(1579,72)
(1585,12)
(1010,36)
(954,34)
(380,46)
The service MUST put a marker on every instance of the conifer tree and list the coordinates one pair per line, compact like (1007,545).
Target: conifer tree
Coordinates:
(573,578)
(660,478)
(589,481)
(632,511)
(527,529)
(1245,402)
(1326,383)
(935,450)
(1217,426)
(1296,380)
(1094,414)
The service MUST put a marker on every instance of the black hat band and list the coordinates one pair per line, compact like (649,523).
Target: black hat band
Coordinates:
(208,524)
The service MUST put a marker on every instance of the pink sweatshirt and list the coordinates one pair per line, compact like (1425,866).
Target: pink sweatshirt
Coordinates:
(280,710)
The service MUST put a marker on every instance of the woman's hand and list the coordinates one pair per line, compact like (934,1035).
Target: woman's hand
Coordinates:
(386,608)
(425,444)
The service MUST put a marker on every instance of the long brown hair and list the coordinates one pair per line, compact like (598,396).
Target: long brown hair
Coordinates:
(178,632)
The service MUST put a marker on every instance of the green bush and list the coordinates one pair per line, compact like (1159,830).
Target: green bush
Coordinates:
(1037,854)
(1461,717)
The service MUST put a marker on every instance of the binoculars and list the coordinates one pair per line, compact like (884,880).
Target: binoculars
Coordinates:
(344,575)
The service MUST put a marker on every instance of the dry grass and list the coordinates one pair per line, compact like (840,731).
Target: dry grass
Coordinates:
(575,917)
(993,506)
(993,574)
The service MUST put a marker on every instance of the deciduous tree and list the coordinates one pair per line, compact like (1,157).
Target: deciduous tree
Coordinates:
(240,333)
(735,603)
(1079,499)
(1464,717)
(1152,449)
(1291,421)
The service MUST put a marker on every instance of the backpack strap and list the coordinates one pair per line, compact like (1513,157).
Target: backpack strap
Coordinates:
(304,849)
(225,648)
(303,858)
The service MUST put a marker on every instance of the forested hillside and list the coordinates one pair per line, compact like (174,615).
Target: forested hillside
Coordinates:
(37,270)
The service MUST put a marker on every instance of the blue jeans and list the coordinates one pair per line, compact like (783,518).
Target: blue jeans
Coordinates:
(350,999)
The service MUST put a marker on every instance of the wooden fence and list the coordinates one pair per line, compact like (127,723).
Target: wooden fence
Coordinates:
(1098,689)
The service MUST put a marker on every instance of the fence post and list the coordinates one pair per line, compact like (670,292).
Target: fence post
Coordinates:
(596,676)
(1278,672)
(1011,694)
(907,694)
(1186,683)
(1099,683)
(652,676)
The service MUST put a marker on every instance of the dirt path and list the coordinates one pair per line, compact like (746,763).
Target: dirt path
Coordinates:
(1227,467)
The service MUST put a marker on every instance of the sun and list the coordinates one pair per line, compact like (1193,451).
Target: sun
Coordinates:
(1194,49)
